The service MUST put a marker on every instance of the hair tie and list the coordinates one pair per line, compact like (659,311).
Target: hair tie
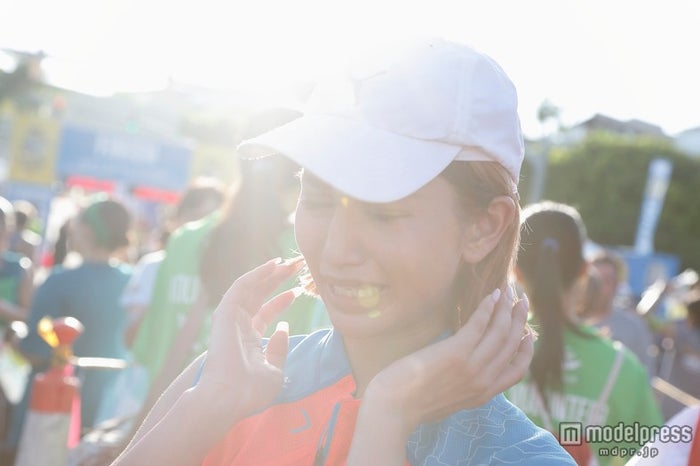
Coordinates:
(550,244)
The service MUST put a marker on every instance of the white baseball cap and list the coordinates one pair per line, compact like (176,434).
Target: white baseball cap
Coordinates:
(390,125)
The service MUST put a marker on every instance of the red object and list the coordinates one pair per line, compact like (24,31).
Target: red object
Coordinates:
(694,458)
(57,390)
(53,390)
(67,330)
(157,195)
(91,184)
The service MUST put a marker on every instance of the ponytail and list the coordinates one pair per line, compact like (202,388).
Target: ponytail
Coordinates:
(550,260)
(545,292)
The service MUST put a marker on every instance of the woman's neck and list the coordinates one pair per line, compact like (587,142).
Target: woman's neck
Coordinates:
(369,356)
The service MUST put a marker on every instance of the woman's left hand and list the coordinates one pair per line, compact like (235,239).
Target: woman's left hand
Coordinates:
(490,353)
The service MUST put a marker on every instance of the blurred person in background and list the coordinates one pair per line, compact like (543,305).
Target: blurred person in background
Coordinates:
(61,247)
(91,293)
(576,374)
(16,277)
(202,197)
(203,258)
(16,289)
(684,365)
(615,316)
(24,240)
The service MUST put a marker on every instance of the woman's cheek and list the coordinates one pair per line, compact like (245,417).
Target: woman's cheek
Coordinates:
(308,233)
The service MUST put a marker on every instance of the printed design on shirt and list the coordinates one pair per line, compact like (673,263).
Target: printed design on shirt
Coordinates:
(471,436)
(306,425)
(183,289)
(570,365)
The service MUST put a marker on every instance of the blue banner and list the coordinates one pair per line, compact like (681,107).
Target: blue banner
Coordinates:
(130,159)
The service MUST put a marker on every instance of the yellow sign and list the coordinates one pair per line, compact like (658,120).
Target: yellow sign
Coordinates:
(33,149)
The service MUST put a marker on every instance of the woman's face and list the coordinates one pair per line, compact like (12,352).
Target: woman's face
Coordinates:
(382,268)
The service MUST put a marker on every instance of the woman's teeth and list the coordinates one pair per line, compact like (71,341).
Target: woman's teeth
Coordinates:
(367,295)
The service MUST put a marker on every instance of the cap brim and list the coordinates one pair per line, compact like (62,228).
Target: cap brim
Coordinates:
(364,162)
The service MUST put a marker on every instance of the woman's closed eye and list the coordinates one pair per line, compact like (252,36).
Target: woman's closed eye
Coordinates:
(385,214)
(312,202)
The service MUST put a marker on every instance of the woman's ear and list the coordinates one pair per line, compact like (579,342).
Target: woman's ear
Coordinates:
(482,236)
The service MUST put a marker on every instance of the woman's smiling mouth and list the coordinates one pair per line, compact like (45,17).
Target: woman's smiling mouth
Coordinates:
(364,294)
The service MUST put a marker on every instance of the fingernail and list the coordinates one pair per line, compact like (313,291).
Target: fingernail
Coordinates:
(294,260)
(527,300)
(282,326)
(496,294)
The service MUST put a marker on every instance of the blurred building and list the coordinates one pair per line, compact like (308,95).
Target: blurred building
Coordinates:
(599,122)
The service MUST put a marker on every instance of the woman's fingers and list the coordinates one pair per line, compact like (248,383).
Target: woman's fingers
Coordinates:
(269,311)
(251,289)
(496,334)
(484,357)
(278,345)
(519,364)
(509,347)
(473,331)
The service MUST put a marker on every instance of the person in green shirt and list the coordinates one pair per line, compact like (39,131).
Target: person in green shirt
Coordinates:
(576,375)
(204,257)
(175,290)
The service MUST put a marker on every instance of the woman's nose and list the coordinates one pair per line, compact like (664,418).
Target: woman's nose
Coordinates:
(344,242)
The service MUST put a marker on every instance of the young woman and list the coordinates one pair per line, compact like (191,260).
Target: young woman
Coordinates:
(407,222)
(576,375)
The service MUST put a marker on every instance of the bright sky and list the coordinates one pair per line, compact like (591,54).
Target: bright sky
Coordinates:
(624,58)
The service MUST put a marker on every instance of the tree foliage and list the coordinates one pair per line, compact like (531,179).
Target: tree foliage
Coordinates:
(604,177)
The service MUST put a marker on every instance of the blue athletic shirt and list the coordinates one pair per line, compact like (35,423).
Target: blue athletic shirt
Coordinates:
(312,421)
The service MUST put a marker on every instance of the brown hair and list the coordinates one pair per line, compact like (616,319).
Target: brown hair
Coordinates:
(550,261)
(477,184)
(249,227)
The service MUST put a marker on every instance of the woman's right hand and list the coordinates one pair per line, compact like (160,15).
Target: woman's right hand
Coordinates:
(238,375)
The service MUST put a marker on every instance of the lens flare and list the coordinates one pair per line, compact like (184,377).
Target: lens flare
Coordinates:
(368,296)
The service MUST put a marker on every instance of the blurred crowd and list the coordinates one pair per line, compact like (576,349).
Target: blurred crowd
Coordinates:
(146,300)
